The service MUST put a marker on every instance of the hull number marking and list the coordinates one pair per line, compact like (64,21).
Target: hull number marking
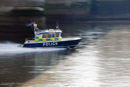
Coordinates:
(50,44)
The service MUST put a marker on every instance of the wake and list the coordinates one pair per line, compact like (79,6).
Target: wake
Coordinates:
(14,48)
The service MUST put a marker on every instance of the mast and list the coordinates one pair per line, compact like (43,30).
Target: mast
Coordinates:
(35,28)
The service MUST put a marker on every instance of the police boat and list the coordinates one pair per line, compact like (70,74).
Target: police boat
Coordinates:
(50,38)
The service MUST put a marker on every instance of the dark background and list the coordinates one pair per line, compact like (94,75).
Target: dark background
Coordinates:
(15,14)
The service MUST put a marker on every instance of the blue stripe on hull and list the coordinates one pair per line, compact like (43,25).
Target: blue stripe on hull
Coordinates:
(62,44)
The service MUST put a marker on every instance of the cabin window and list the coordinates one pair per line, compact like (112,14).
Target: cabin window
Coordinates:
(57,34)
(49,35)
(44,35)
(53,35)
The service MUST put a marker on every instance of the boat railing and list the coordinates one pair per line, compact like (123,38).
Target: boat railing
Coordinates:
(29,39)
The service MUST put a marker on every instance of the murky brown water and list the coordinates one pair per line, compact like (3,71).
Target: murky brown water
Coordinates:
(102,59)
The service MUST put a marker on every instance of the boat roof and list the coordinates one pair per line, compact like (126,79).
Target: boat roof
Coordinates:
(49,31)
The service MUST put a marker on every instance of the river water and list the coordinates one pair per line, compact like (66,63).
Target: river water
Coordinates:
(101,59)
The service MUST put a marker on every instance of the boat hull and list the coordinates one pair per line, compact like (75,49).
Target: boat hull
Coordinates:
(57,44)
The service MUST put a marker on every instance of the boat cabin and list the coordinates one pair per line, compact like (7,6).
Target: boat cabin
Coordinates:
(48,35)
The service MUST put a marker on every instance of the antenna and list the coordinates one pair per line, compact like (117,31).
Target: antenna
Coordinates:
(57,25)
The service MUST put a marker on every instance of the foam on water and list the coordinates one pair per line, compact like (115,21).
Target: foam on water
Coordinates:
(14,48)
